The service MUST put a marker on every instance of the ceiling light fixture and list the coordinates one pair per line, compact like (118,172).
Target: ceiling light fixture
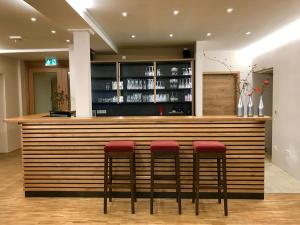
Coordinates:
(208,34)
(68,40)
(124,14)
(171,35)
(132,36)
(175,12)
(229,10)
(15,38)
(33,19)
(53,31)
(248,33)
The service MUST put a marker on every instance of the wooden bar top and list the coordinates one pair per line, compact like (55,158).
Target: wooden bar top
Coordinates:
(44,118)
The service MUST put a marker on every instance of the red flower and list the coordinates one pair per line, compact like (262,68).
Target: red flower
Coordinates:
(258,89)
(266,82)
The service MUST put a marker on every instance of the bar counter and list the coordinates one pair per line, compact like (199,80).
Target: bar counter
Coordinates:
(64,156)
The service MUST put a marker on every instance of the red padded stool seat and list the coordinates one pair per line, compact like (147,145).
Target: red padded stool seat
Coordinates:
(119,146)
(209,146)
(164,146)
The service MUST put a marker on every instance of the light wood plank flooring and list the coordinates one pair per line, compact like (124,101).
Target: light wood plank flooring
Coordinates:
(15,209)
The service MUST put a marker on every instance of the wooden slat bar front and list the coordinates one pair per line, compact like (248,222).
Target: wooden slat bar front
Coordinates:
(66,154)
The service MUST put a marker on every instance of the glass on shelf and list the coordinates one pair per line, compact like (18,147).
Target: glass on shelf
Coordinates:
(185,83)
(162,97)
(173,83)
(160,85)
(150,84)
(108,100)
(149,72)
(174,71)
(188,98)
(114,85)
(158,73)
(174,97)
(187,71)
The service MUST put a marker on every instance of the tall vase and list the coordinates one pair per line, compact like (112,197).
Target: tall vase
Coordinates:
(250,107)
(240,107)
(261,107)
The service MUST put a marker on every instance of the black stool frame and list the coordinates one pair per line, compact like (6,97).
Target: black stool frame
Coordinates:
(109,177)
(222,183)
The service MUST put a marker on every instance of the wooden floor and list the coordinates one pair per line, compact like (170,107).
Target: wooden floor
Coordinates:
(276,209)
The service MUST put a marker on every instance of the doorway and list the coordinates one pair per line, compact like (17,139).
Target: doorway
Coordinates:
(258,79)
(44,84)
(3,134)
(220,93)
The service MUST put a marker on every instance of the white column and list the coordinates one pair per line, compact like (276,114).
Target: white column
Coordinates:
(80,74)
(199,78)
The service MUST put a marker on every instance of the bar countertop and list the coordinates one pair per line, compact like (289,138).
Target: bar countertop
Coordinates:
(44,118)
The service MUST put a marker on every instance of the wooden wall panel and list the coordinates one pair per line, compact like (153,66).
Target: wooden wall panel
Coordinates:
(69,157)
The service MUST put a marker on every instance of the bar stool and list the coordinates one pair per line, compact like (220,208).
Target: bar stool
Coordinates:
(210,149)
(119,150)
(165,150)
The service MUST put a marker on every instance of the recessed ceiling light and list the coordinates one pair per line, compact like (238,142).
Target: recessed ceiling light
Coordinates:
(171,35)
(132,36)
(248,33)
(68,40)
(53,31)
(208,34)
(33,19)
(124,14)
(229,10)
(175,12)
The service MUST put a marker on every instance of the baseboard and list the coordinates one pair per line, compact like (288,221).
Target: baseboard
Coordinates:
(186,195)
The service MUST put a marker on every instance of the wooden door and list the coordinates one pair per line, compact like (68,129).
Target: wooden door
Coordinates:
(220,93)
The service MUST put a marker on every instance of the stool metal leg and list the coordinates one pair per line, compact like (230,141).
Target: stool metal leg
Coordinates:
(152,184)
(135,198)
(105,182)
(219,179)
(197,183)
(225,184)
(110,178)
(132,182)
(178,188)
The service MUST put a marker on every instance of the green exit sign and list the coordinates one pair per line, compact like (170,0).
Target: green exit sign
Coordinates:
(51,61)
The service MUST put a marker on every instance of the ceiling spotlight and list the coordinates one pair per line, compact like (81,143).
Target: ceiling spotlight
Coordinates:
(133,36)
(124,14)
(248,33)
(53,31)
(33,19)
(171,35)
(175,12)
(229,10)
(68,40)
(208,34)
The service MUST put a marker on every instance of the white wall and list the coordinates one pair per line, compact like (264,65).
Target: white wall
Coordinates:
(209,63)
(286,94)
(9,69)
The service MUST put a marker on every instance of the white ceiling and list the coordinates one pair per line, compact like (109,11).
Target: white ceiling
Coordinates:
(150,20)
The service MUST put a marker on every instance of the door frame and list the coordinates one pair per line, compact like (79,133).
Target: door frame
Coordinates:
(62,84)
(4,127)
(237,81)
